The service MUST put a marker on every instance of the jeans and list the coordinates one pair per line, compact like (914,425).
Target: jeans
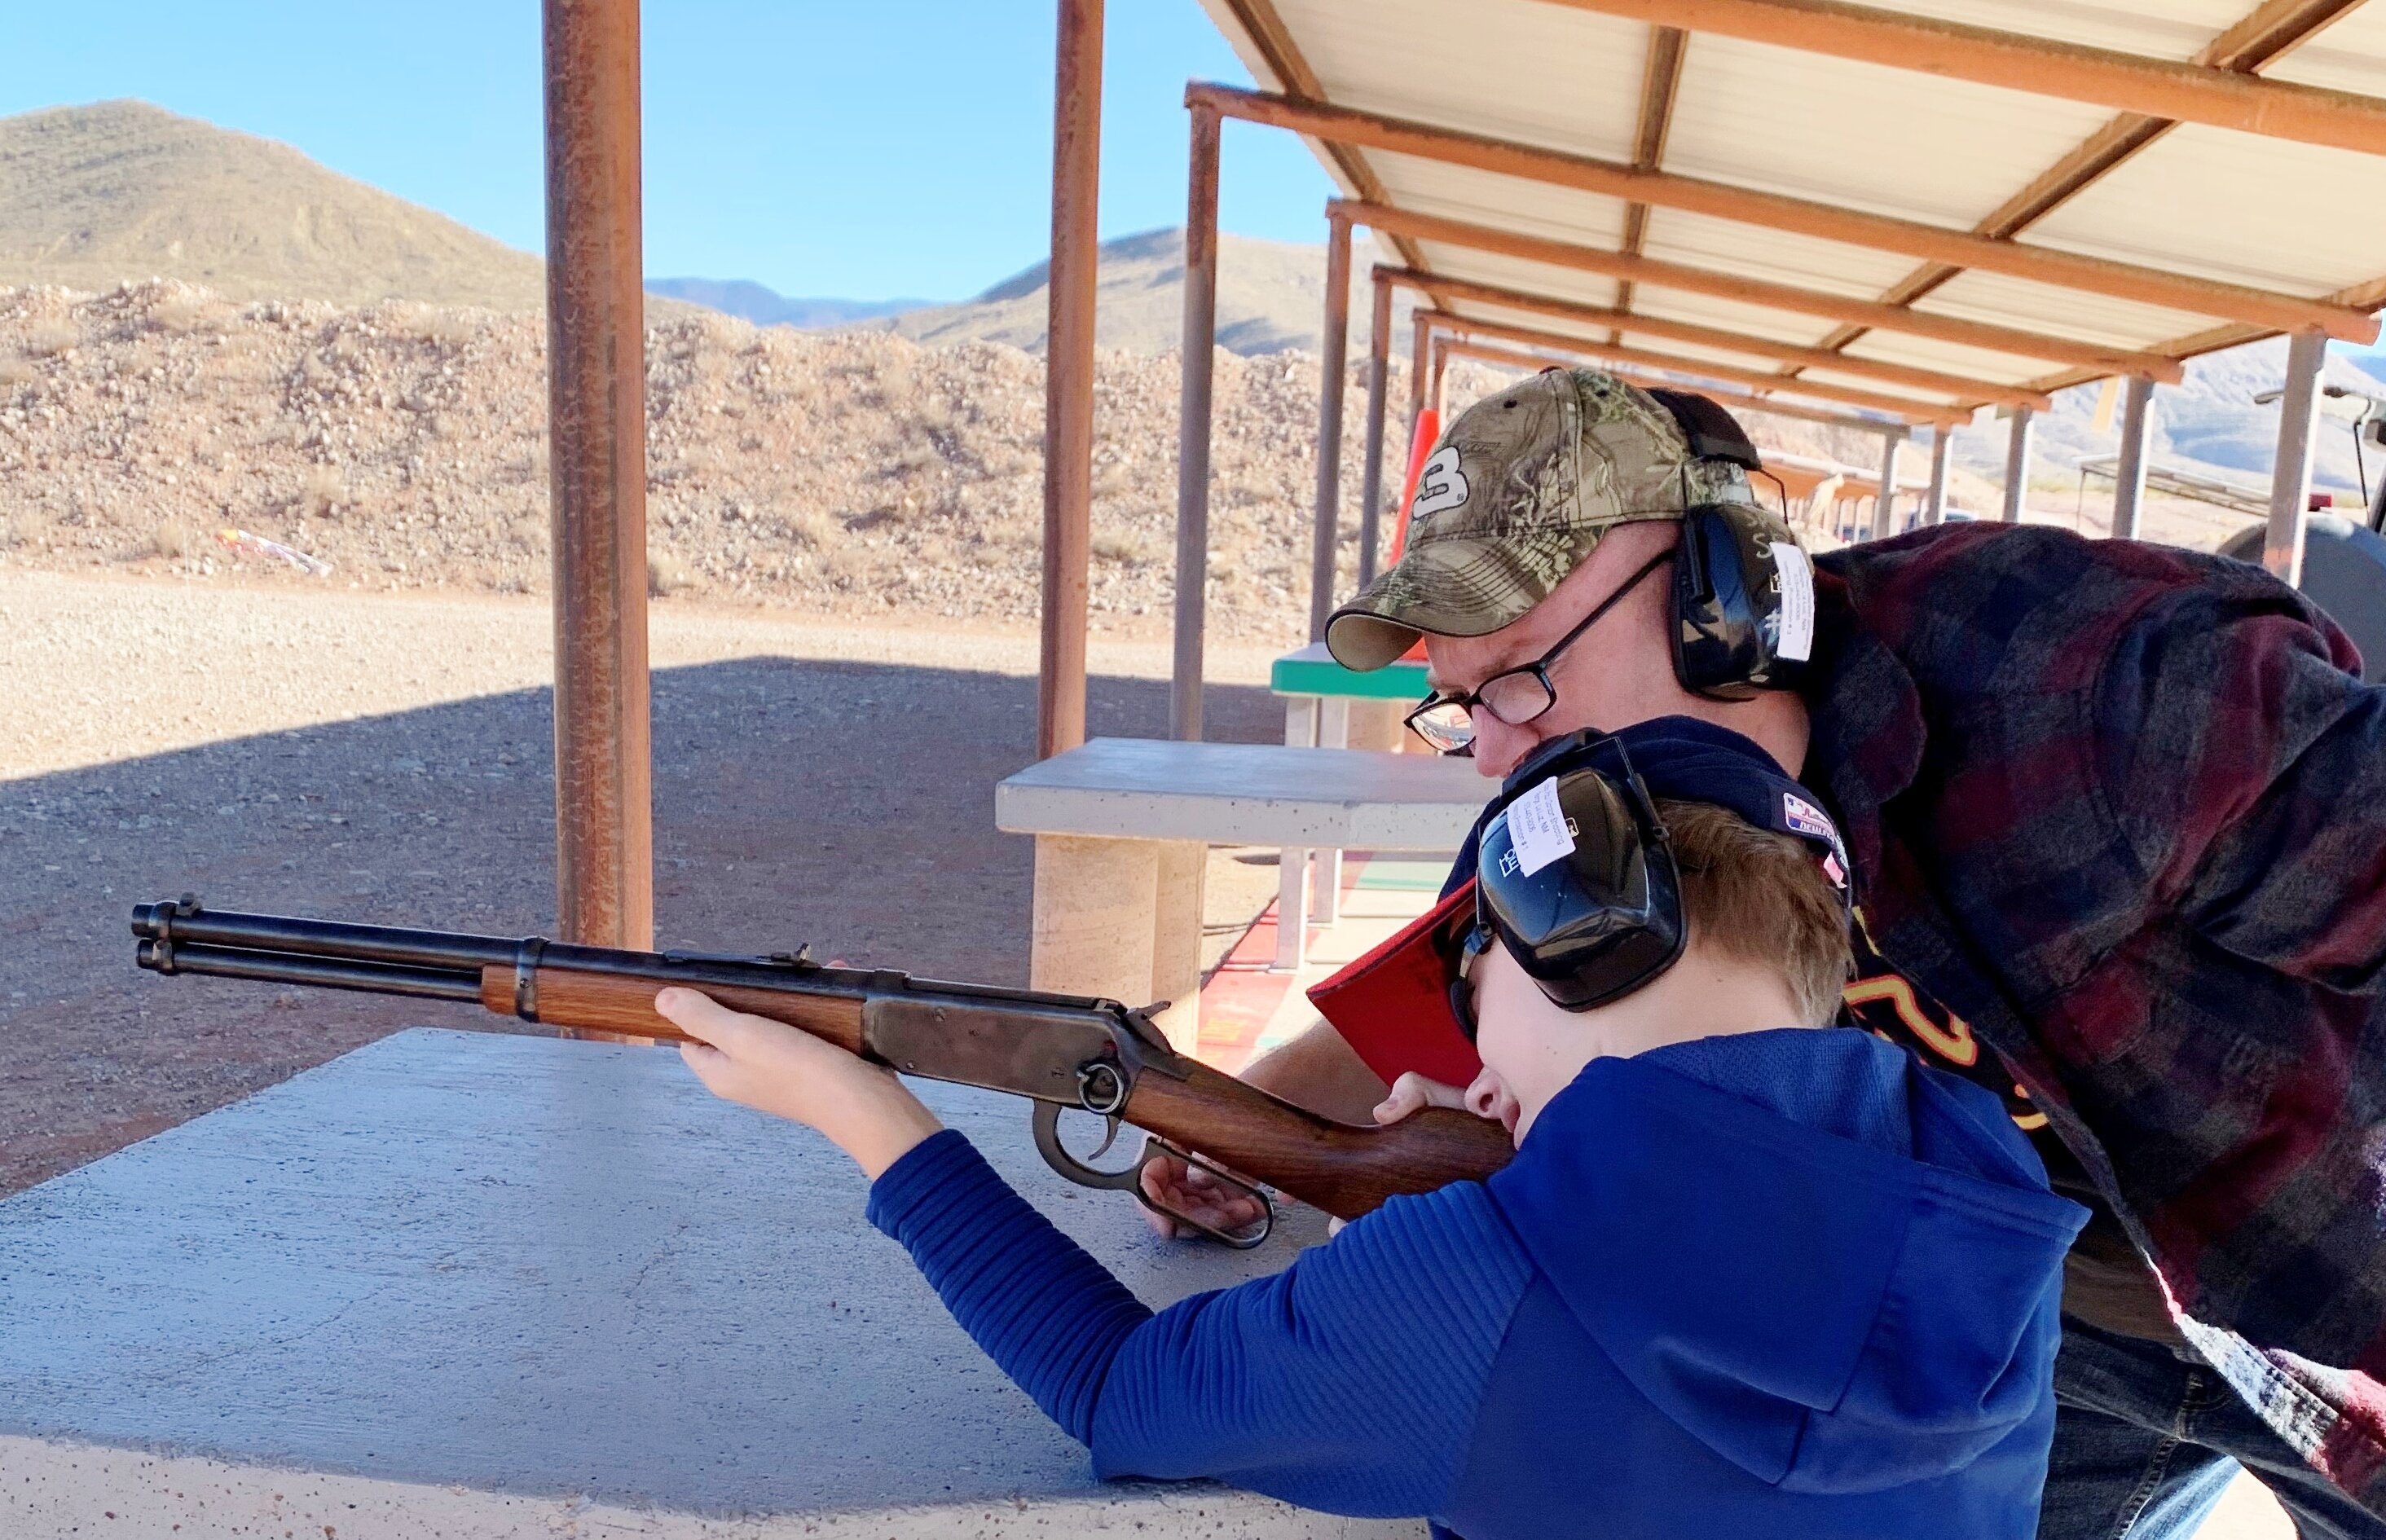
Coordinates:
(2145,1440)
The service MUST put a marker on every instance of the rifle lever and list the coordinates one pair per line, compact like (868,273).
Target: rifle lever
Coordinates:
(1129,1179)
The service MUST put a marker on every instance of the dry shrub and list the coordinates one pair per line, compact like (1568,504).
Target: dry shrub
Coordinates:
(173,540)
(17,372)
(812,528)
(178,315)
(424,323)
(1126,550)
(323,493)
(666,574)
(12,533)
(47,339)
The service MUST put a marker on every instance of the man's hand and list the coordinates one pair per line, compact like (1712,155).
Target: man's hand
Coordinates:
(1197,1195)
(773,1068)
(1413,1093)
(1317,1070)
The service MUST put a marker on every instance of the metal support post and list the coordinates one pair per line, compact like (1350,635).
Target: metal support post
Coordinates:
(1420,346)
(1198,359)
(597,478)
(1068,377)
(1934,506)
(1884,504)
(2017,464)
(1371,474)
(2283,547)
(1335,370)
(2130,476)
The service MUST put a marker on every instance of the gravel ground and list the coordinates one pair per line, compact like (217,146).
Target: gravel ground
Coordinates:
(388,757)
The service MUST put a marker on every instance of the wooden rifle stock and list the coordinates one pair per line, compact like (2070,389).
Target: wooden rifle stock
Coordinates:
(1343,1168)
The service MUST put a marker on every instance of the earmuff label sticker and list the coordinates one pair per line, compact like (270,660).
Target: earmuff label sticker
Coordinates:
(1796,575)
(1536,828)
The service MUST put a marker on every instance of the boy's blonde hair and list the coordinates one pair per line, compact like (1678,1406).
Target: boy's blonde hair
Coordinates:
(1762,897)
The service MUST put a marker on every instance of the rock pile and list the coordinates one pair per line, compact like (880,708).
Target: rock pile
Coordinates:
(842,474)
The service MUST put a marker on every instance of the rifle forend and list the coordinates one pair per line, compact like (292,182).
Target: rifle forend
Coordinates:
(1061,1051)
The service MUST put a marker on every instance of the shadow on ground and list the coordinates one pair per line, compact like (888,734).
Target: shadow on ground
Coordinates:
(846,805)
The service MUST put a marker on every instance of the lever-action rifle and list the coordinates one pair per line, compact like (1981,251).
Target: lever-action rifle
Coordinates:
(1061,1051)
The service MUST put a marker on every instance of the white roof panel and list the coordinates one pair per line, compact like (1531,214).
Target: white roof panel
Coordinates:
(2197,202)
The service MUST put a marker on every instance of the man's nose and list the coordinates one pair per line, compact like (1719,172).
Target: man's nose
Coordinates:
(1499,748)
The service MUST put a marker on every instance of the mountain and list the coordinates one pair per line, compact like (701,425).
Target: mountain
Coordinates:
(764,306)
(91,195)
(1271,299)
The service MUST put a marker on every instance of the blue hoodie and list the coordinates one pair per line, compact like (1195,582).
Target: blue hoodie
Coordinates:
(1784,1284)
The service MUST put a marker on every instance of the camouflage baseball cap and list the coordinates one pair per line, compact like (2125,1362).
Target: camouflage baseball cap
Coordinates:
(1516,495)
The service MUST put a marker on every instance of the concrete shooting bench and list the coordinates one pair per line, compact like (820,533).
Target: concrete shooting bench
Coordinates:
(1122,827)
(1327,706)
(464,1285)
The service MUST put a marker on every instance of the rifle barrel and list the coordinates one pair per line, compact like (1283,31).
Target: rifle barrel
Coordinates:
(378,978)
(274,933)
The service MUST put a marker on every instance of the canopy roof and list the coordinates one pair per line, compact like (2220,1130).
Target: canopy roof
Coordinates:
(1853,201)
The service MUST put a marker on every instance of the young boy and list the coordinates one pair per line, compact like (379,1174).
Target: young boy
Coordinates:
(1743,1277)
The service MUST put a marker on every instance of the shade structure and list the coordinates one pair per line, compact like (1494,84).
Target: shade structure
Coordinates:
(1875,160)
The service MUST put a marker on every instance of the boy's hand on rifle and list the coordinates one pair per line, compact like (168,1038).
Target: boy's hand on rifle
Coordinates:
(774,1069)
(1194,1191)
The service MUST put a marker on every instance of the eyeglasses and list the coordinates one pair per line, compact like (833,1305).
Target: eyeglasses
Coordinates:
(1514,695)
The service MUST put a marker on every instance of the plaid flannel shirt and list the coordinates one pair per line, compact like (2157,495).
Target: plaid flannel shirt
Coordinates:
(2124,809)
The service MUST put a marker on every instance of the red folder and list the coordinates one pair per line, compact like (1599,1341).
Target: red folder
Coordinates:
(1392,1006)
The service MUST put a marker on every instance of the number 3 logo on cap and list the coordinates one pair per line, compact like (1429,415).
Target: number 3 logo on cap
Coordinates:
(1441,485)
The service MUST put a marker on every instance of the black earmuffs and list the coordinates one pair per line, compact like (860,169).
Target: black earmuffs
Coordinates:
(1743,590)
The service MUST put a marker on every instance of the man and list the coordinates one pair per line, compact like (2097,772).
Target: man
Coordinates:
(2117,816)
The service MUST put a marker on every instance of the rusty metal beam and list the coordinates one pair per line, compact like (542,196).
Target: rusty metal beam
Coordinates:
(1741,401)
(1757,379)
(596,426)
(1333,375)
(2017,61)
(1661,80)
(1371,477)
(1068,377)
(1797,216)
(1655,274)
(1197,359)
(1447,290)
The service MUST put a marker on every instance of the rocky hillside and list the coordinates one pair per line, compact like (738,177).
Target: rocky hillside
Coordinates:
(841,473)
(1271,299)
(92,196)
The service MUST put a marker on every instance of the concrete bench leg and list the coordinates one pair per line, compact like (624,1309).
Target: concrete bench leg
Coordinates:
(1333,731)
(1120,918)
(1300,716)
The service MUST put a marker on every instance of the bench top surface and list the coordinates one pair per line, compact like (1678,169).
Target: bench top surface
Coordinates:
(517,1264)
(1313,671)
(1162,767)
(1245,793)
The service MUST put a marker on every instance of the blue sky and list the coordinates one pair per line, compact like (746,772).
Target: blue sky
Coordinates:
(893,147)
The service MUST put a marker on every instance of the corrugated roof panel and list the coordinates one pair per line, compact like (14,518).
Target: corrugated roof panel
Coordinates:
(1862,135)
(1510,272)
(1509,203)
(1518,69)
(1761,321)
(2158,28)
(2301,217)
(1989,296)
(2350,55)
(1973,363)
(1751,251)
